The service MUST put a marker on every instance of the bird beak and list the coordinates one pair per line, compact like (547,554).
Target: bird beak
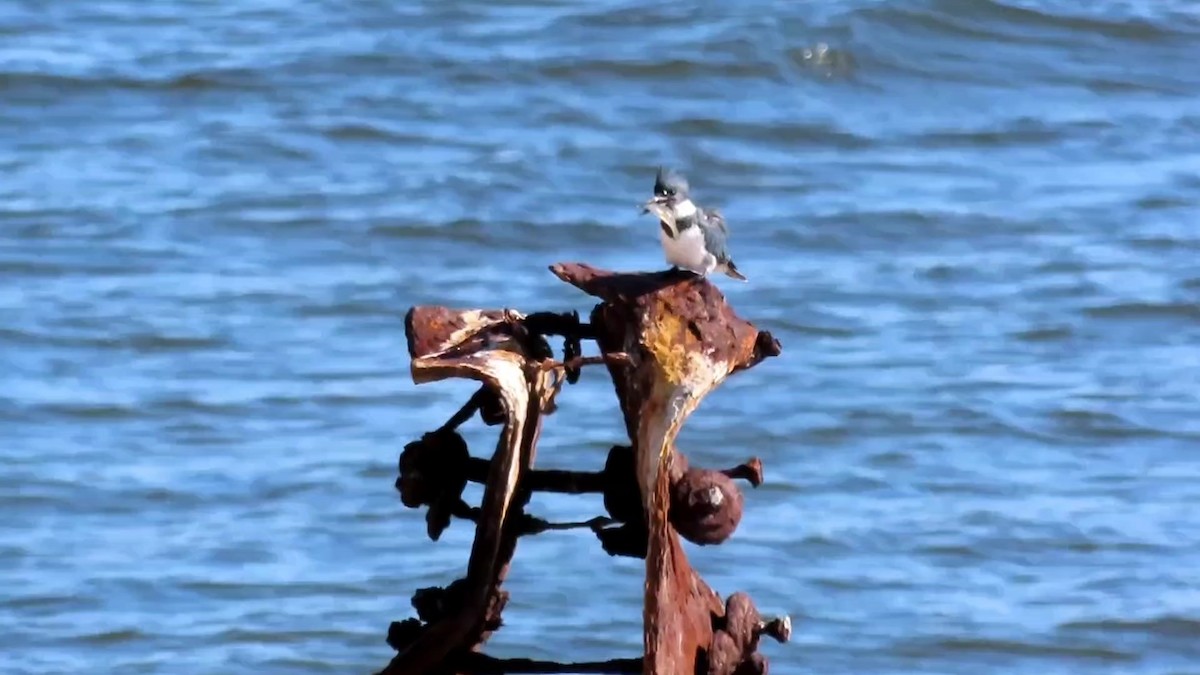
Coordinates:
(661,207)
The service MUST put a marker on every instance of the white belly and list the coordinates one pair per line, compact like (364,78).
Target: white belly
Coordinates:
(687,251)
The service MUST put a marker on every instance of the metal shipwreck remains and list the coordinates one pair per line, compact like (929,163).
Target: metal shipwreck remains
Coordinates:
(667,339)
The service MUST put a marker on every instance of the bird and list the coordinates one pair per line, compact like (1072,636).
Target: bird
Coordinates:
(693,238)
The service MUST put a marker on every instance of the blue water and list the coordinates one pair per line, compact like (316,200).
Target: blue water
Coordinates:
(973,225)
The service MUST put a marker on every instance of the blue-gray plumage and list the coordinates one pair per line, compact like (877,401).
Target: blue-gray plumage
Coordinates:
(693,237)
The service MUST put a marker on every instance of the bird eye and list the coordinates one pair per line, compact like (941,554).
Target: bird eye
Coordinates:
(670,192)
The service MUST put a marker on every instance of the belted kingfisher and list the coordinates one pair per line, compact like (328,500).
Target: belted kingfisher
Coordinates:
(693,237)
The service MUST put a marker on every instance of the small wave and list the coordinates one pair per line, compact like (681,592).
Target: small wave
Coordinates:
(875,580)
(1159,85)
(1100,424)
(1061,266)
(374,471)
(238,635)
(1167,626)
(186,404)
(333,400)
(1146,310)
(365,131)
(1163,244)
(944,272)
(1091,546)
(890,459)
(951,551)
(527,236)
(464,230)
(161,495)
(860,484)
(913,17)
(1015,425)
(995,42)
(92,411)
(238,590)
(1043,334)
(1126,28)
(142,343)
(823,542)
(815,134)
(111,637)
(199,81)
(279,492)
(38,601)
(962,487)
(16,269)
(1028,133)
(348,308)
(1162,202)
(654,71)
(903,224)
(1022,23)
(293,664)
(1020,648)
(154,343)
(813,330)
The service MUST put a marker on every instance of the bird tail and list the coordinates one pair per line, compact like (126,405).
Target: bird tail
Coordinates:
(732,270)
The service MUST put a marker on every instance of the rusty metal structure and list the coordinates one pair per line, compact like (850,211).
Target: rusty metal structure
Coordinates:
(667,339)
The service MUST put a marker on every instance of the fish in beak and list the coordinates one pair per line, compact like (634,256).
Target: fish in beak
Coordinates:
(661,206)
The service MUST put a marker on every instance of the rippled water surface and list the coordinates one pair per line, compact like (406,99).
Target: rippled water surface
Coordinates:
(975,227)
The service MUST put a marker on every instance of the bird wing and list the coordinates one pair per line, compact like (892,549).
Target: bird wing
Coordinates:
(714,218)
(715,234)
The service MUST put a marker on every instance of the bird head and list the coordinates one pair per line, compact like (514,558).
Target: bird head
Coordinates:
(670,200)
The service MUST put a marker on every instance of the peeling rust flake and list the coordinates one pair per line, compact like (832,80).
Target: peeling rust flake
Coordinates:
(431,329)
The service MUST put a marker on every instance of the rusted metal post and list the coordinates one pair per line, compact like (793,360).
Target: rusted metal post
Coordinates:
(667,339)
(683,340)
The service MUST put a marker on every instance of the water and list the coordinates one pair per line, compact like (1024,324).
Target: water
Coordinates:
(973,225)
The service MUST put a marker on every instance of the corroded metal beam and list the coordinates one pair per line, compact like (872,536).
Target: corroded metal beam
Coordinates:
(493,348)
(683,340)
